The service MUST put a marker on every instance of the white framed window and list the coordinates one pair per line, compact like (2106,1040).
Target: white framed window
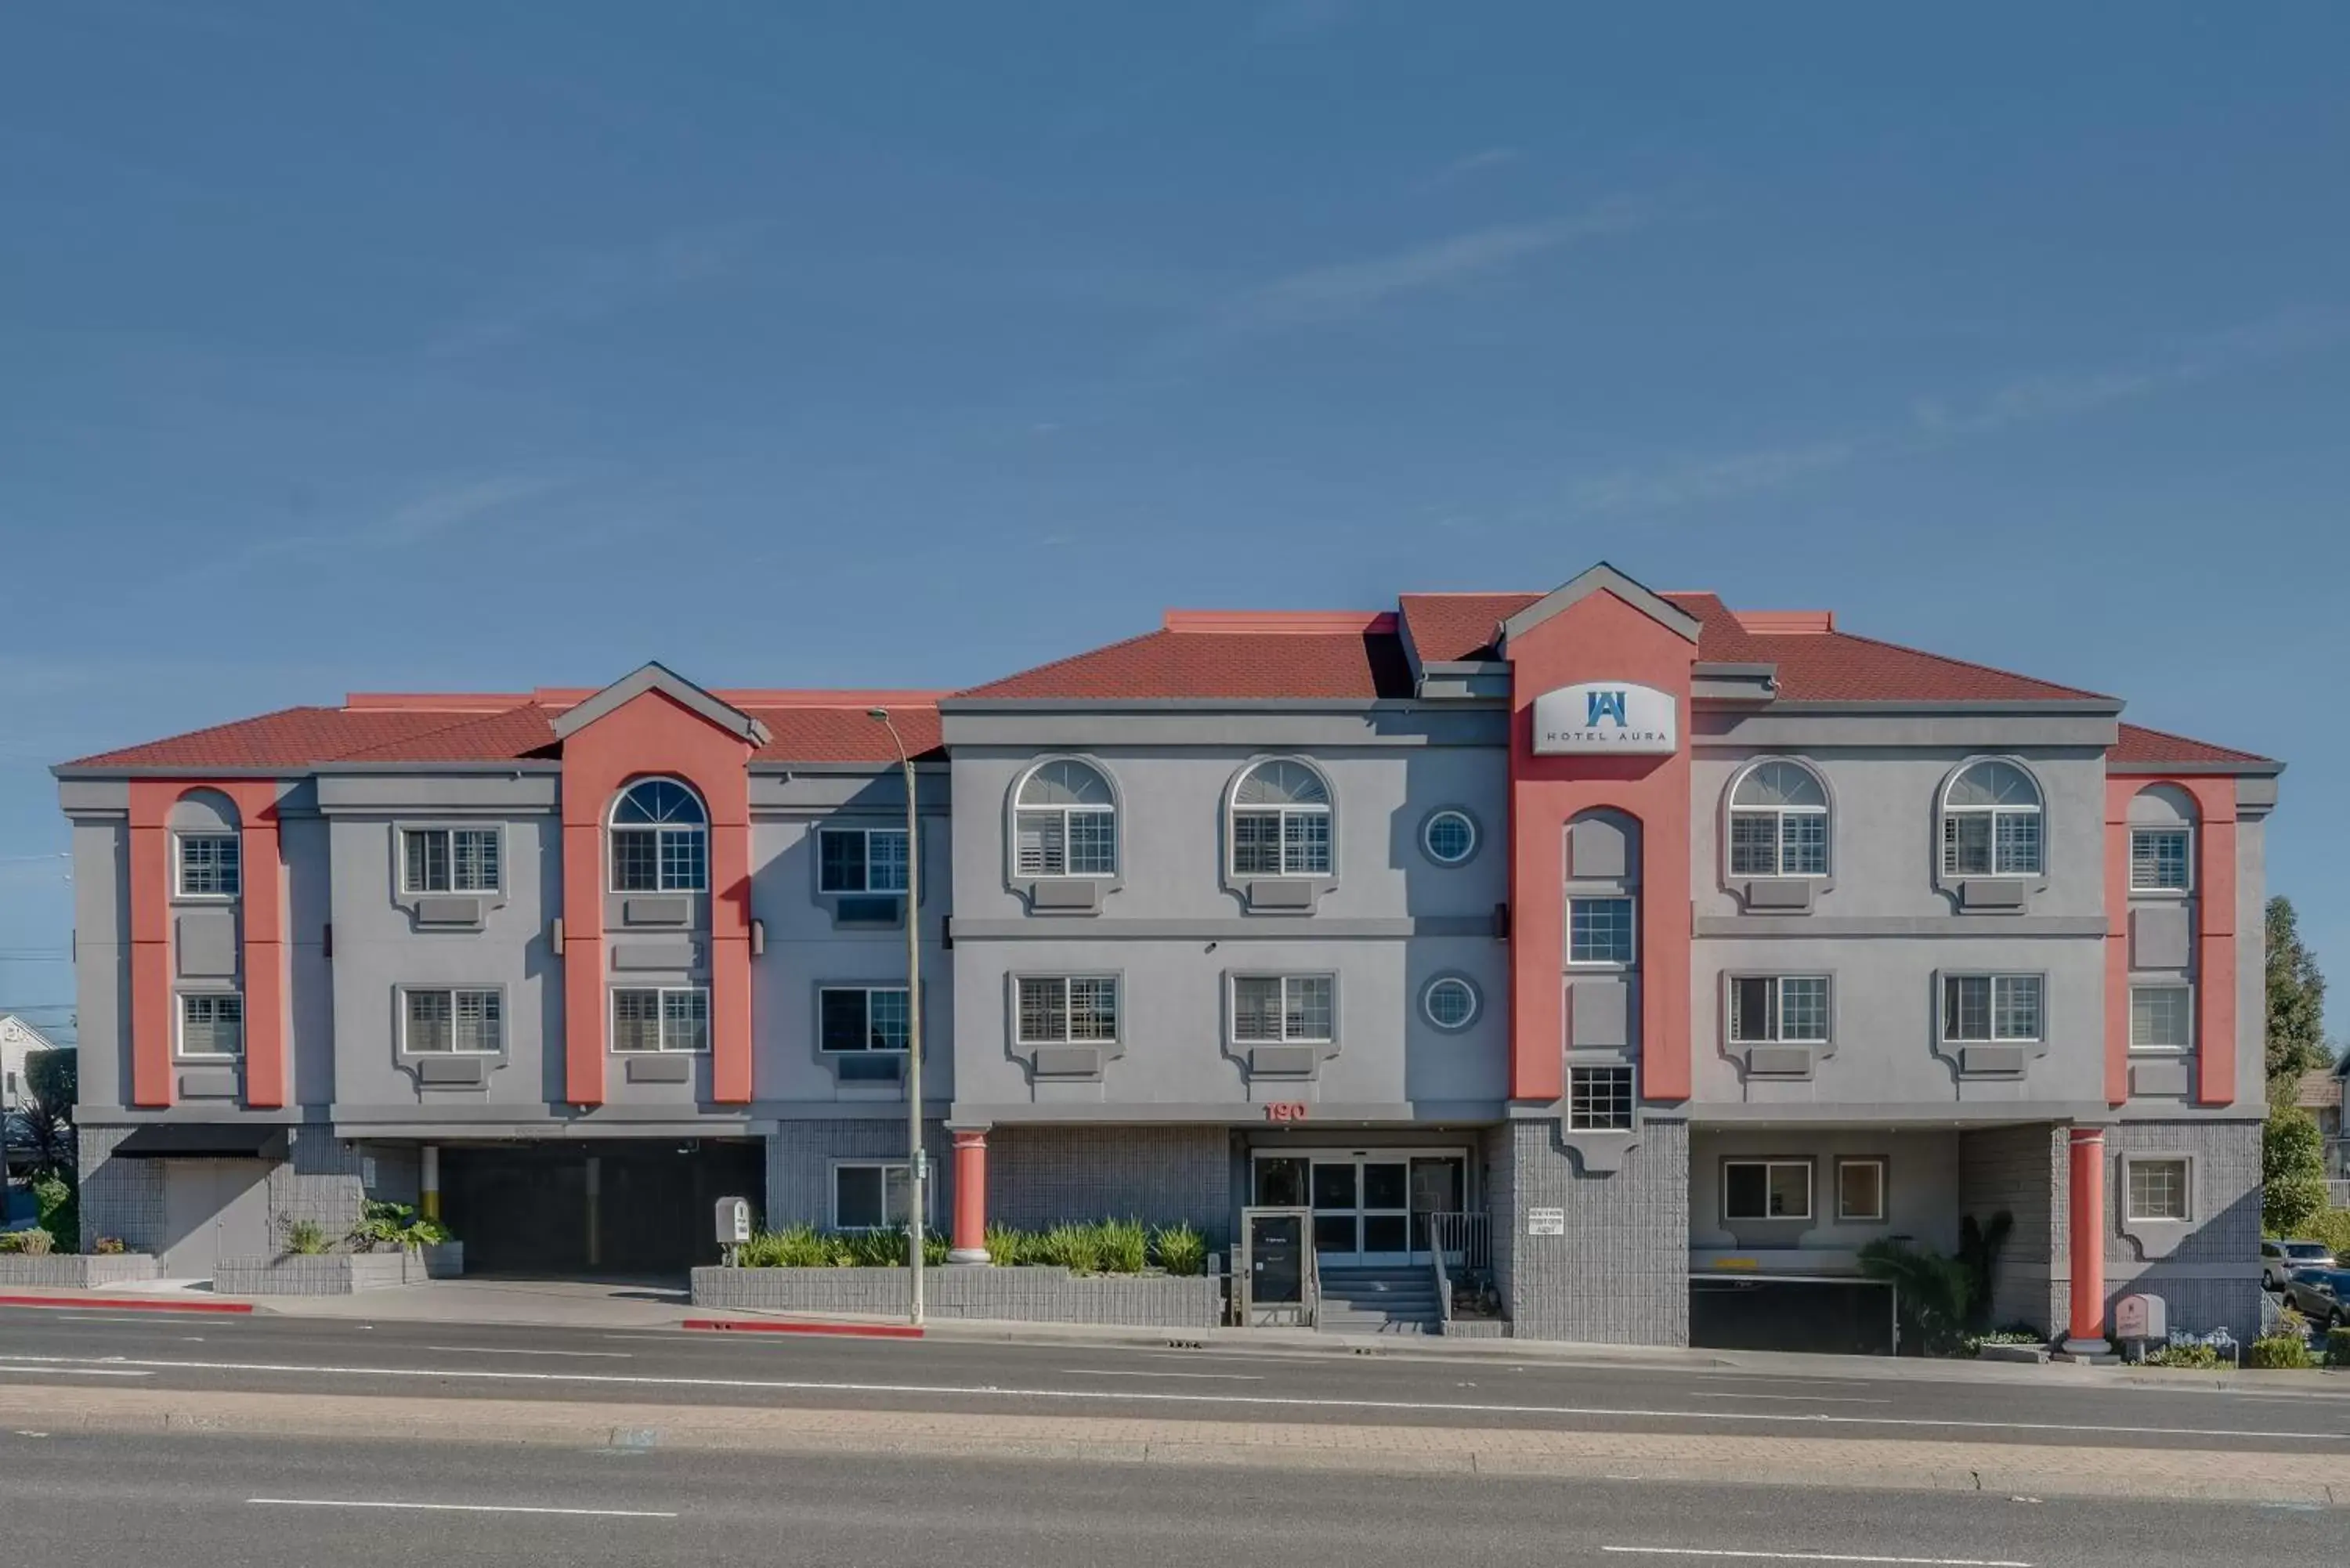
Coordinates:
(1449,1002)
(660,839)
(2162,1017)
(663,1018)
(1779,1008)
(860,860)
(1982,1008)
(1992,822)
(1767,1188)
(1281,821)
(212,1024)
(210,865)
(877,1195)
(1778,822)
(1600,932)
(1285,1008)
(453,1021)
(1599,1099)
(1450,836)
(1860,1190)
(1068,1010)
(861,1018)
(2159,861)
(1064,822)
(448,859)
(2157,1189)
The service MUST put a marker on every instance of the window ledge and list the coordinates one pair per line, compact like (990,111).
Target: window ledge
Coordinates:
(1777,895)
(1598,1152)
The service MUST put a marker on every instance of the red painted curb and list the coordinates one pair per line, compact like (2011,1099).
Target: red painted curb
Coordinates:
(125,1303)
(854,1330)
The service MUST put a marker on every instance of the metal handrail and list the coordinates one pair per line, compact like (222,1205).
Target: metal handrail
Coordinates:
(1313,1303)
(1443,1284)
(1471,1235)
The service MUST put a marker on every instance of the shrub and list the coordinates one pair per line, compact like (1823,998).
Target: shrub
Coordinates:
(1930,1291)
(394,1227)
(1008,1247)
(1972,1344)
(33,1243)
(2191,1354)
(2331,1227)
(2279,1350)
(1180,1250)
(1076,1247)
(1125,1246)
(2337,1348)
(109,1247)
(796,1247)
(304,1238)
(2292,1171)
(57,1210)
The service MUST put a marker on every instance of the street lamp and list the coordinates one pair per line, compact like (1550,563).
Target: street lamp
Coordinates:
(917,1164)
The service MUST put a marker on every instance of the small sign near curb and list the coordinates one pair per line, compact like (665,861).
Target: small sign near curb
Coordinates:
(1545,1222)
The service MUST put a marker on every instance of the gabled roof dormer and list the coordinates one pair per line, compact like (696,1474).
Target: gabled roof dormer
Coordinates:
(1600,578)
(658,677)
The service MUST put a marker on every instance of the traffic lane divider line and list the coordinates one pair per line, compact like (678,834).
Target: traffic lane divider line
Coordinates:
(779,1325)
(125,1303)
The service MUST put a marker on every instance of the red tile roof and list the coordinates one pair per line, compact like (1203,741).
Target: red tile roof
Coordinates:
(2140,745)
(1814,666)
(1223,664)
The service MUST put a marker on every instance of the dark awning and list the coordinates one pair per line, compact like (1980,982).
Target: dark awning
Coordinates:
(215,1140)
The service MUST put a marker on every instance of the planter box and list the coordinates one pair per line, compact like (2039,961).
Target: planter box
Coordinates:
(1476,1328)
(326,1274)
(2032,1355)
(974,1291)
(445,1261)
(67,1270)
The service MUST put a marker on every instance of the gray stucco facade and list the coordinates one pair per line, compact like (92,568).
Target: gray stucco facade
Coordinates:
(1286,946)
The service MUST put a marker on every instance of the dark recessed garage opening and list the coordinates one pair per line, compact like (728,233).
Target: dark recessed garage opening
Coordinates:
(1830,1317)
(615,1208)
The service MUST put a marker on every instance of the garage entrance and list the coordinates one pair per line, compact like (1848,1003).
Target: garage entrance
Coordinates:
(615,1208)
(1824,1316)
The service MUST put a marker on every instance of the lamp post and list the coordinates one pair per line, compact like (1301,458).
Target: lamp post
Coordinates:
(917,1163)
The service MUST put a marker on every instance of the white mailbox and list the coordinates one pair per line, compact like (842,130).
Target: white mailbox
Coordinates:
(2141,1317)
(733,1221)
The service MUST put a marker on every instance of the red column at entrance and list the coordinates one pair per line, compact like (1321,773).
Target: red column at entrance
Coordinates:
(970,1199)
(2086,1332)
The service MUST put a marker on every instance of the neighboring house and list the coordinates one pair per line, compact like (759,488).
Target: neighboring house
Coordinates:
(2321,1094)
(1688,948)
(18,1039)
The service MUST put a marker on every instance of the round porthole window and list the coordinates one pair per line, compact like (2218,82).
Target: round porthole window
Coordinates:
(1450,1001)
(1451,837)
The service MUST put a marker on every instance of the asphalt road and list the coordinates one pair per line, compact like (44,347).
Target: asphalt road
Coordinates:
(73,1500)
(275,1355)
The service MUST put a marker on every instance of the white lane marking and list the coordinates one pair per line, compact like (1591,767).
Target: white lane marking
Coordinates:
(1795,1399)
(1205,1377)
(1784,1377)
(499,1350)
(95,1317)
(1819,1556)
(76,1371)
(458,1507)
(1269,1401)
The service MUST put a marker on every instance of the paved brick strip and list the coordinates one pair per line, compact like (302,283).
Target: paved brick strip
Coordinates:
(2032,1470)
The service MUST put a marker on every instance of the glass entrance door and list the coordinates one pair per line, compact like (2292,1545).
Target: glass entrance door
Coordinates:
(1369,1208)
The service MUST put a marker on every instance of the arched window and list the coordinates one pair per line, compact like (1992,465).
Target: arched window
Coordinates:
(660,839)
(1778,822)
(1281,821)
(1065,822)
(1990,822)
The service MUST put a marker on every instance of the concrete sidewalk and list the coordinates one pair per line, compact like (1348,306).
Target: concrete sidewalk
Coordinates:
(598,1304)
(2033,1471)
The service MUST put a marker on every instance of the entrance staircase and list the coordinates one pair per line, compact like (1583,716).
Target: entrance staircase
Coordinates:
(1379,1300)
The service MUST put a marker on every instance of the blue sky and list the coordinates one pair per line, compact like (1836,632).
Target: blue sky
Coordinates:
(432,345)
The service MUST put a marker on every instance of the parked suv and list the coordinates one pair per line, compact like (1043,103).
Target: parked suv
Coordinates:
(2280,1259)
(2321,1295)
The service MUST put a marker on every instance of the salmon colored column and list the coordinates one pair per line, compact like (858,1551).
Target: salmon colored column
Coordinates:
(151,941)
(1597,637)
(730,955)
(268,1016)
(583,943)
(2086,1334)
(970,1198)
(2119,792)
(2215,941)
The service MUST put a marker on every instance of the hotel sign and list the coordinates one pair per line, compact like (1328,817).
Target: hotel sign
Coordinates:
(1614,717)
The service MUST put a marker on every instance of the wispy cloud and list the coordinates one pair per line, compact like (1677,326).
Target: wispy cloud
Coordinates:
(585,286)
(441,511)
(1690,480)
(1346,289)
(1462,168)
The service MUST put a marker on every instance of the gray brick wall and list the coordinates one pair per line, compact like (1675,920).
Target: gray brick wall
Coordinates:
(1620,1274)
(800,1156)
(1161,1175)
(2020,1171)
(1022,1294)
(2225,1234)
(318,1181)
(122,1197)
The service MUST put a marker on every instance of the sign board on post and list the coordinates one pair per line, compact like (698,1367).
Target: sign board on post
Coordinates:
(1611,718)
(733,1221)
(1545,1222)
